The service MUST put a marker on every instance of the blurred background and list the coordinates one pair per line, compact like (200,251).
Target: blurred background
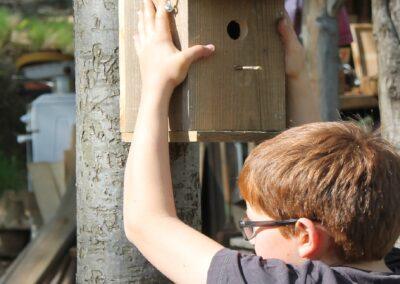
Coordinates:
(37,106)
(37,143)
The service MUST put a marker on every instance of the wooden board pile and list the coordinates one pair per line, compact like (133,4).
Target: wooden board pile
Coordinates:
(15,207)
(51,256)
(363,50)
(365,58)
(48,258)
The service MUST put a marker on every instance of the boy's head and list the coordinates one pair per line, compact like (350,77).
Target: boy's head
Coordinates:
(335,173)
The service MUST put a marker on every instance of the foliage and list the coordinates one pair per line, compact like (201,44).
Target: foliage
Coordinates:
(12,174)
(7,21)
(44,34)
(12,106)
(33,33)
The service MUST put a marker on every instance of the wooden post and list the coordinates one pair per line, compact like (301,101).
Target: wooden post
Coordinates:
(386,30)
(320,38)
(104,254)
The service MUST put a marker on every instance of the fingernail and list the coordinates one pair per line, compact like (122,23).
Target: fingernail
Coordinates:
(210,47)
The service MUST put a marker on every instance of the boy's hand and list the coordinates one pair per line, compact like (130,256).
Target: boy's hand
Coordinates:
(162,65)
(294,51)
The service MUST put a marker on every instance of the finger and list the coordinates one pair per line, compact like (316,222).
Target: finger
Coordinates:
(162,20)
(149,14)
(194,53)
(286,30)
(141,27)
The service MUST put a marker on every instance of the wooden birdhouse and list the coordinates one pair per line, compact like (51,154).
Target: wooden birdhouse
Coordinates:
(238,94)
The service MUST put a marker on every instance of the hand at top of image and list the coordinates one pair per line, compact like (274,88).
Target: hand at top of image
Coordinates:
(162,65)
(294,51)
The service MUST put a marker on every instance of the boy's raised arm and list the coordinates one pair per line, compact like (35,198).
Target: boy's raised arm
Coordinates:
(150,221)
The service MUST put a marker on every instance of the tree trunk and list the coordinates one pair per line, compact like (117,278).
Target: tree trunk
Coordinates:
(104,254)
(320,38)
(386,33)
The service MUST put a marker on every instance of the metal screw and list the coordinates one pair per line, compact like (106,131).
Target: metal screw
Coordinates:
(253,68)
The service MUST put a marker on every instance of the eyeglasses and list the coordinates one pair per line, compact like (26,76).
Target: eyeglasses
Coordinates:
(247,226)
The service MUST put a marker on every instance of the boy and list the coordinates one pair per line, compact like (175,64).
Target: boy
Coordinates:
(321,199)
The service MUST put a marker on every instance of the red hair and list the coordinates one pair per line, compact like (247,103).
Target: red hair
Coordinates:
(335,173)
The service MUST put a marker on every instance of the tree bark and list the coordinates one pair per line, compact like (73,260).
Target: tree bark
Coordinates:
(386,34)
(320,38)
(104,254)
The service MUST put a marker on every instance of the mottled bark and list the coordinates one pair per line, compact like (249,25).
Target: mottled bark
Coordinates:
(104,254)
(388,44)
(320,38)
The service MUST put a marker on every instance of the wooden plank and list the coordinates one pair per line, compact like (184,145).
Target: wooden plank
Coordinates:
(49,246)
(70,274)
(67,269)
(129,71)
(349,102)
(215,97)
(70,160)
(44,186)
(69,165)
(365,58)
(222,136)
(369,86)
(364,51)
(14,265)
(222,98)
(32,211)
(58,171)
(59,274)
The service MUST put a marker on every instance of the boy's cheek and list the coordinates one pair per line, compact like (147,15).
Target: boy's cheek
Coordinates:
(271,244)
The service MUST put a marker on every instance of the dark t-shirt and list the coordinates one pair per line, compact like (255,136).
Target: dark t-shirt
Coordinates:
(229,266)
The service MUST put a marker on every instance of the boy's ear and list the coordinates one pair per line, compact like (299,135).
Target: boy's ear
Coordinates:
(312,241)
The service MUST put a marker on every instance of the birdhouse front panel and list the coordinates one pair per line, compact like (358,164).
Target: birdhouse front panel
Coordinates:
(240,89)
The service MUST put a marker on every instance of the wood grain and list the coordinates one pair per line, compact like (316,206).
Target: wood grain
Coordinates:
(129,68)
(45,184)
(349,102)
(212,136)
(37,258)
(229,100)
(364,51)
(215,97)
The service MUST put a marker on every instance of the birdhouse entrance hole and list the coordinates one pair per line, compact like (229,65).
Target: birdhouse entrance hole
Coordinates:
(237,29)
